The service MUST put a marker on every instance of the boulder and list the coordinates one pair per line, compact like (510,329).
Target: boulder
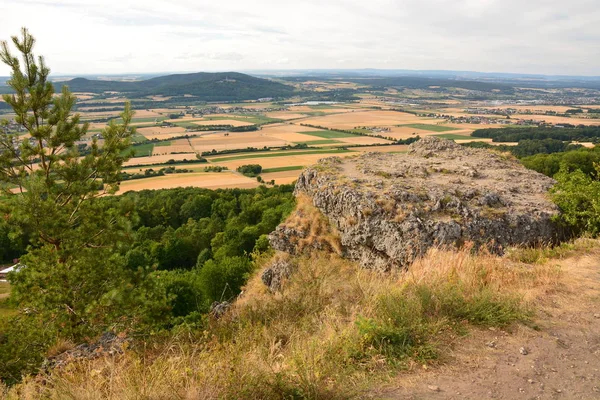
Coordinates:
(389,209)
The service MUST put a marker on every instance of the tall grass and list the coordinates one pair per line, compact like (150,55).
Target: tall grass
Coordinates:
(333,330)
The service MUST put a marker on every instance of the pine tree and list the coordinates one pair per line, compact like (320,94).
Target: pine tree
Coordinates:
(76,278)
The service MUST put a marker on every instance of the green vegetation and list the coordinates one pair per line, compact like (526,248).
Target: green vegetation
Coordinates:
(221,86)
(163,143)
(250,170)
(215,168)
(282,154)
(6,309)
(151,173)
(582,159)
(577,194)
(451,136)
(528,147)
(428,127)
(143,149)
(187,124)
(324,141)
(74,279)
(329,134)
(567,134)
(282,169)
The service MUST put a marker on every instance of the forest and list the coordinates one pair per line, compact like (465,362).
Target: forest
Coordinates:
(579,134)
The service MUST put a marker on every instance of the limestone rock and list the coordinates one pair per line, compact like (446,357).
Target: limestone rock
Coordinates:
(389,209)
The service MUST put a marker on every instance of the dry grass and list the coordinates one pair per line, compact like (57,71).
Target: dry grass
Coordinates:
(333,331)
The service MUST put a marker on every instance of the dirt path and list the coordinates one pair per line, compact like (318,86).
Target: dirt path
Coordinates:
(558,360)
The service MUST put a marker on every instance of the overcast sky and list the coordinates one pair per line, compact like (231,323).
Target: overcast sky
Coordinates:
(128,36)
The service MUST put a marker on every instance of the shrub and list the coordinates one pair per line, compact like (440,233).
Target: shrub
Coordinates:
(578,196)
(250,170)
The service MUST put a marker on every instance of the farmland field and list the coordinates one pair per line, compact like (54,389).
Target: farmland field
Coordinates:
(428,127)
(225,179)
(278,154)
(330,134)
(452,136)
(282,169)
(323,128)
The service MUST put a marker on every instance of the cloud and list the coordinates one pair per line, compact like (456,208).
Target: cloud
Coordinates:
(232,56)
(536,36)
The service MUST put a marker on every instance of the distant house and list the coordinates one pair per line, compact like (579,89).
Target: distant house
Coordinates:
(4,273)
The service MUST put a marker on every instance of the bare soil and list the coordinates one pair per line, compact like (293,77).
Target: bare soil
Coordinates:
(556,358)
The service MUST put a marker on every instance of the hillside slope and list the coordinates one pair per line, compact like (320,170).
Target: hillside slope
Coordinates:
(221,86)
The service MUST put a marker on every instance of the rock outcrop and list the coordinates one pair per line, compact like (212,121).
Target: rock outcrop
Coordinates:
(389,209)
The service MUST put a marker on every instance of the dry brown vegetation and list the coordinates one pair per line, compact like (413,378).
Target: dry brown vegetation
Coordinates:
(334,331)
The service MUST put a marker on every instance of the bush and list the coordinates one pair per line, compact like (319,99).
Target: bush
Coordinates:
(578,196)
(250,170)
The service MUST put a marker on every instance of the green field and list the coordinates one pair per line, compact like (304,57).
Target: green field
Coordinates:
(432,128)
(138,138)
(453,136)
(165,143)
(329,134)
(289,153)
(282,169)
(324,141)
(143,150)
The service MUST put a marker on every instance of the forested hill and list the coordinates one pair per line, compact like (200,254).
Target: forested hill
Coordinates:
(220,86)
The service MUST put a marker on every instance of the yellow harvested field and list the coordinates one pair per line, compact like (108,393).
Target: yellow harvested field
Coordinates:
(283,161)
(285,128)
(293,137)
(97,125)
(235,140)
(364,140)
(161,133)
(365,118)
(231,122)
(84,96)
(178,148)
(283,177)
(218,180)
(284,115)
(160,159)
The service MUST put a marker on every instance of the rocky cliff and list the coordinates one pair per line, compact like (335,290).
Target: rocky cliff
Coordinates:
(390,208)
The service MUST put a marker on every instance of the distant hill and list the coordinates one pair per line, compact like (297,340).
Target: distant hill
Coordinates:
(221,86)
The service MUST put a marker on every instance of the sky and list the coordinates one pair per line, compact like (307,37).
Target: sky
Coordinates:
(146,36)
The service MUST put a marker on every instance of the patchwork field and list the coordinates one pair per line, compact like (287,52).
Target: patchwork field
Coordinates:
(281,126)
(365,118)
(161,133)
(276,160)
(234,140)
